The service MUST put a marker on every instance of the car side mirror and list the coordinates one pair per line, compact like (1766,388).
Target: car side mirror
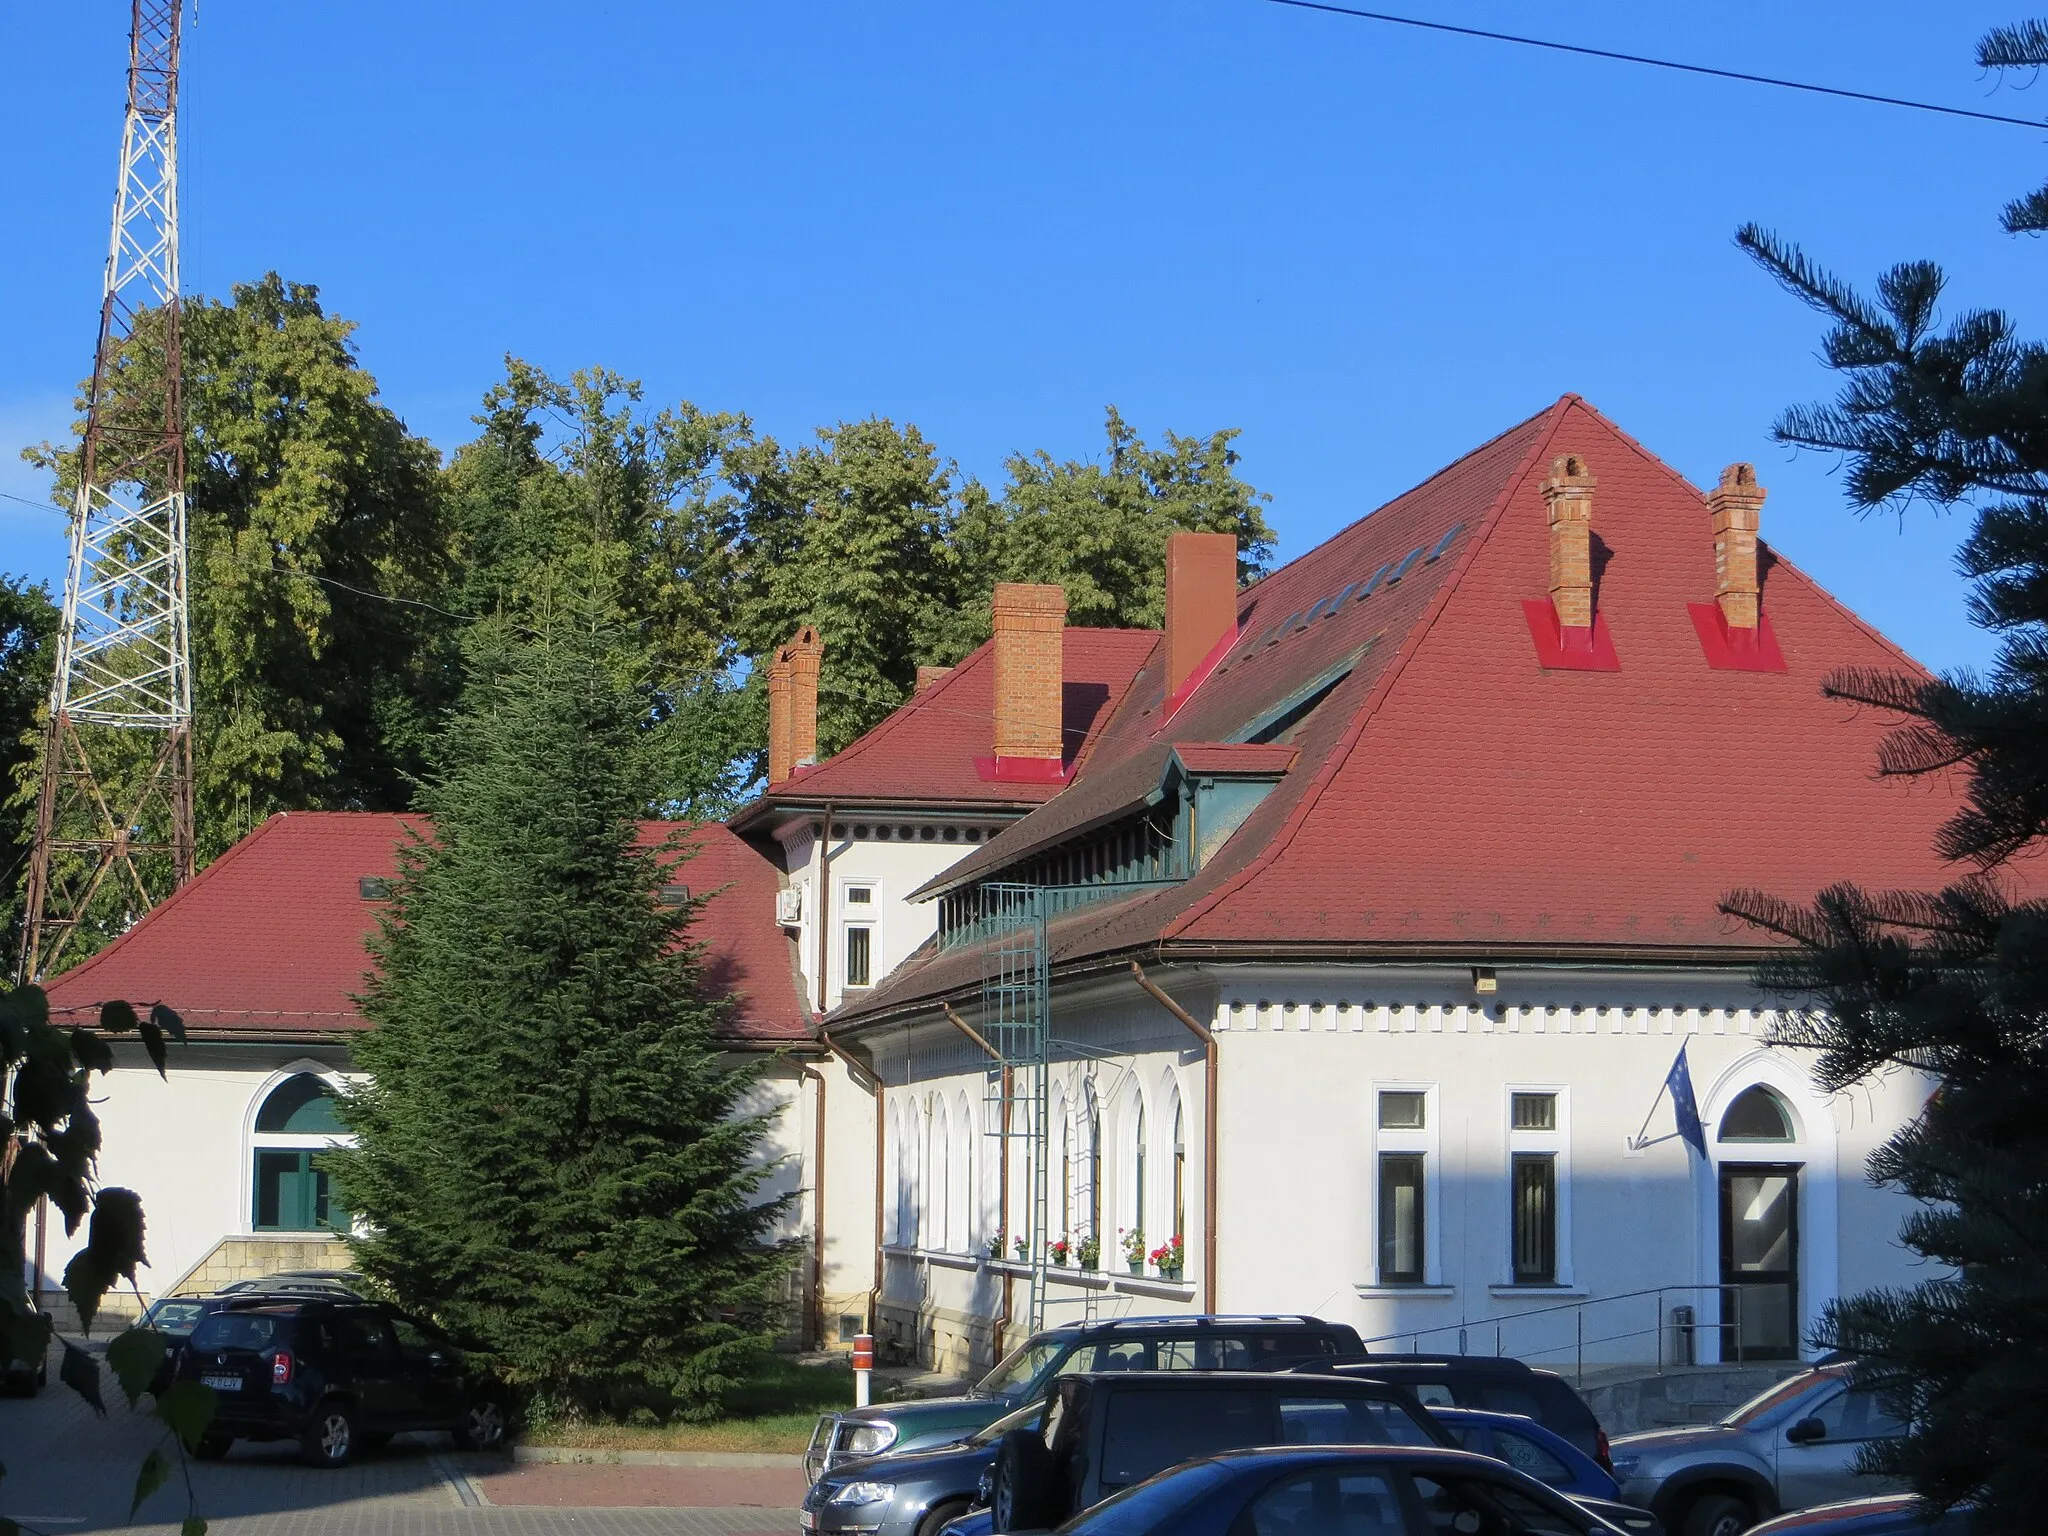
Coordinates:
(1806,1431)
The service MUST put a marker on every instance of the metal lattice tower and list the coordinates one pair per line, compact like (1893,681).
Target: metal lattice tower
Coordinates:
(114,828)
(1016,1015)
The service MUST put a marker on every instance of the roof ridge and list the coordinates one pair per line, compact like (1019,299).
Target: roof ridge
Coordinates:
(1418,633)
(1309,554)
(269,823)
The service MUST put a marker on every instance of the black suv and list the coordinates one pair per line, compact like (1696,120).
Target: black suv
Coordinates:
(1499,1384)
(1199,1342)
(335,1375)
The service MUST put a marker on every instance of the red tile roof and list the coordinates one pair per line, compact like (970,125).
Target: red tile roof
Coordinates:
(268,940)
(1245,757)
(1453,796)
(926,750)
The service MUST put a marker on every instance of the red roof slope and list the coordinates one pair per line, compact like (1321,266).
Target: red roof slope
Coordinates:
(926,749)
(268,940)
(1452,795)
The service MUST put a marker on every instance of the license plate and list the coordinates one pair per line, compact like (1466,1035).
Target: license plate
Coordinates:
(223,1383)
(808,1519)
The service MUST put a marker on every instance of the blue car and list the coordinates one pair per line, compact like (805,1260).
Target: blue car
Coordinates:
(1352,1490)
(1528,1447)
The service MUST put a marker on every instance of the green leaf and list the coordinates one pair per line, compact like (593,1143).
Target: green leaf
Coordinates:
(193,1526)
(133,1356)
(91,1052)
(112,1251)
(167,1019)
(156,1471)
(117,1017)
(8,1527)
(81,1373)
(153,1042)
(187,1408)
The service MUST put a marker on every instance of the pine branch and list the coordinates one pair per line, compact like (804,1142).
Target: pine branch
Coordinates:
(2023,45)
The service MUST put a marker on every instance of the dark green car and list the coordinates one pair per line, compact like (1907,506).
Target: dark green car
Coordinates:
(1197,1343)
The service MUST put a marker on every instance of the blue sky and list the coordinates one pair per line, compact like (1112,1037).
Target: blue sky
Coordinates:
(1368,248)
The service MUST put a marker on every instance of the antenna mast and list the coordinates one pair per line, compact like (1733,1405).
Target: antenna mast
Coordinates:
(114,811)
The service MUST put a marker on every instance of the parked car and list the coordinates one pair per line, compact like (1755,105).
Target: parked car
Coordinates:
(175,1317)
(1786,1449)
(336,1375)
(25,1378)
(345,1283)
(1499,1384)
(1889,1514)
(1528,1447)
(1130,1343)
(1340,1491)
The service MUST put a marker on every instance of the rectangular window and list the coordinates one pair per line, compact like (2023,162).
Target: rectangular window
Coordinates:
(861,895)
(1533,1112)
(1402,1111)
(859,957)
(1402,1200)
(292,1196)
(1535,1218)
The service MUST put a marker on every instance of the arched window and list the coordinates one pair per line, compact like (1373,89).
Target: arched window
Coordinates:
(913,1175)
(1758,1114)
(892,1175)
(1180,1174)
(295,1123)
(965,1190)
(1063,1198)
(1138,1168)
(1095,1169)
(940,1208)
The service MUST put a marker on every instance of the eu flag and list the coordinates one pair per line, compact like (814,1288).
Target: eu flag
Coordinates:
(1684,1106)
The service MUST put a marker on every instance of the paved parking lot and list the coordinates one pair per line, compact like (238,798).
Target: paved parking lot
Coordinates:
(70,1472)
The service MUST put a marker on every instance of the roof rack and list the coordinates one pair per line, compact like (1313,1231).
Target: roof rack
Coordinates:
(1203,1320)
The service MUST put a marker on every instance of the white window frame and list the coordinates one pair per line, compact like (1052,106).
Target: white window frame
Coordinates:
(1425,1141)
(1557,1143)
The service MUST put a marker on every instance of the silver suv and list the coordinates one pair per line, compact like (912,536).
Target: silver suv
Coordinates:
(1794,1446)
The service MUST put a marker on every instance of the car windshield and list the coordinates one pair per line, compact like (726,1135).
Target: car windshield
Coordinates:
(1021,1366)
(1024,1418)
(1150,1505)
(1767,1403)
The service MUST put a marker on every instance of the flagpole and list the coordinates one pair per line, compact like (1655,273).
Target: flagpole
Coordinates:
(1636,1142)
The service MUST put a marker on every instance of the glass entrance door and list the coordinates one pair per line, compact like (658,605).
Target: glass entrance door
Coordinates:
(1760,1261)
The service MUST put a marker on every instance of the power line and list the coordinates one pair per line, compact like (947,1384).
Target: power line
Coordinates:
(1637,58)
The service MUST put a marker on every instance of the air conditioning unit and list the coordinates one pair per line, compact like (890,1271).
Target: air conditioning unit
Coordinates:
(789,906)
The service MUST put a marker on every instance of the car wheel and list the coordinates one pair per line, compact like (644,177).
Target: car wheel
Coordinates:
(939,1514)
(212,1447)
(1021,1498)
(483,1425)
(1717,1514)
(330,1437)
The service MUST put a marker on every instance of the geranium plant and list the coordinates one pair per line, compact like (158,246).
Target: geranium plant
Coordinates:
(1169,1255)
(1089,1252)
(1057,1249)
(1133,1244)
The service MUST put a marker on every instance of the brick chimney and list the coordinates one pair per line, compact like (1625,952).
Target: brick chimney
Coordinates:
(1569,493)
(1736,504)
(927,676)
(1030,624)
(793,704)
(778,719)
(1201,601)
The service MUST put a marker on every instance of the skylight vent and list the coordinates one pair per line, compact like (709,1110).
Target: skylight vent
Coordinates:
(675,896)
(373,888)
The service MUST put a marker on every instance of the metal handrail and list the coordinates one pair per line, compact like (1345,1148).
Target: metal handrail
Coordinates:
(1729,1324)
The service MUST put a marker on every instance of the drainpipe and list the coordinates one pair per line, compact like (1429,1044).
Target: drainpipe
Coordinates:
(862,1078)
(817,1208)
(1209,1170)
(824,907)
(1000,1323)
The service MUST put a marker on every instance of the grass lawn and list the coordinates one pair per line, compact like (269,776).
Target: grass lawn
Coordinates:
(775,1411)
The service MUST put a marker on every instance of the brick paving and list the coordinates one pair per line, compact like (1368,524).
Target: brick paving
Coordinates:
(562,1486)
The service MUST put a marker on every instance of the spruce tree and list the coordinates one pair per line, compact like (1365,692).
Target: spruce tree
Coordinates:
(1951,983)
(554,1160)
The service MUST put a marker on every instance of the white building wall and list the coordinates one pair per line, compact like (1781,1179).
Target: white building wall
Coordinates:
(1301,1060)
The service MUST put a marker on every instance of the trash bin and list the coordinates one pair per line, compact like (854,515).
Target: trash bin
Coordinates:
(1684,1350)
